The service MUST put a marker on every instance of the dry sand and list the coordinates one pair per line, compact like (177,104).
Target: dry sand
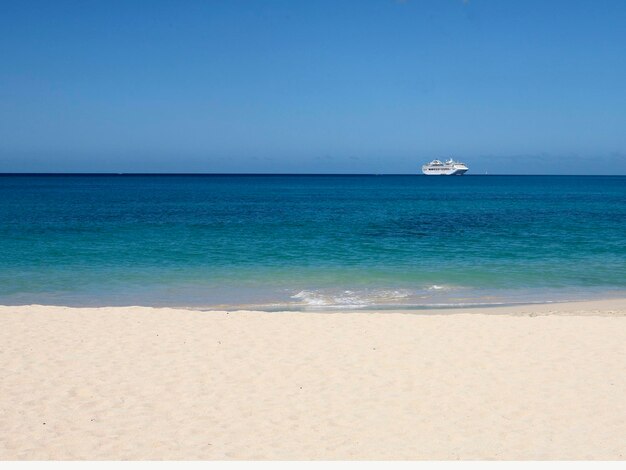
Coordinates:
(535,382)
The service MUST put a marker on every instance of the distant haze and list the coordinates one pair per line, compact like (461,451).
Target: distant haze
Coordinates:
(326,86)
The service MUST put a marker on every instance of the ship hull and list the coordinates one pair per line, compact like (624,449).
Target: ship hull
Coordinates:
(439,171)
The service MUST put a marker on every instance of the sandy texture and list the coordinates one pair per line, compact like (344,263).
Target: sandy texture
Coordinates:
(142,383)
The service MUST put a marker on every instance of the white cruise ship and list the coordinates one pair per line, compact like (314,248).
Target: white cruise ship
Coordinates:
(450,167)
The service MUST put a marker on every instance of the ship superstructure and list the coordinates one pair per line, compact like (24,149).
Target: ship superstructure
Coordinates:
(447,168)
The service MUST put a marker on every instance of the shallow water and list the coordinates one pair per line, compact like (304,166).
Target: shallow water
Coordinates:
(307,242)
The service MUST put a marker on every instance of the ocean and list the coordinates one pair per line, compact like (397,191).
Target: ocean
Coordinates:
(310,242)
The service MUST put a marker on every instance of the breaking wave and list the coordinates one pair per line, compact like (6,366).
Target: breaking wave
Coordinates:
(363,298)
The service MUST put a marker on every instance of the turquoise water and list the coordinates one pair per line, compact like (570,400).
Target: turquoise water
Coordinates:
(306,242)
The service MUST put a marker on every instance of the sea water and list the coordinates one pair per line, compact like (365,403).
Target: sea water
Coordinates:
(310,241)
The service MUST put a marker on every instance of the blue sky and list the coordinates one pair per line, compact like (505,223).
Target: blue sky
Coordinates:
(367,86)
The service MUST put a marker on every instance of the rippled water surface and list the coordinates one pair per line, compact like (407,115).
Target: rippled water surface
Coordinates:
(310,241)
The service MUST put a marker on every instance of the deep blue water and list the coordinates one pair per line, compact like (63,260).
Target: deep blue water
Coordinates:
(310,241)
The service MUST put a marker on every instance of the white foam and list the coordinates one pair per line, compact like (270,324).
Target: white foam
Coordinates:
(349,298)
(310,298)
(445,287)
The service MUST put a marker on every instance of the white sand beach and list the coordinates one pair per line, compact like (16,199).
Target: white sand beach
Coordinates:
(524,382)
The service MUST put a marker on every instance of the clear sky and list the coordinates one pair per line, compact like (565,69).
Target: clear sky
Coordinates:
(363,86)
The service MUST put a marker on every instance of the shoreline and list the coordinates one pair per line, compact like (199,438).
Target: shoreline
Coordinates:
(604,306)
(529,382)
(384,299)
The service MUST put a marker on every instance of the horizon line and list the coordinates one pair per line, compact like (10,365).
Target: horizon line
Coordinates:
(278,174)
